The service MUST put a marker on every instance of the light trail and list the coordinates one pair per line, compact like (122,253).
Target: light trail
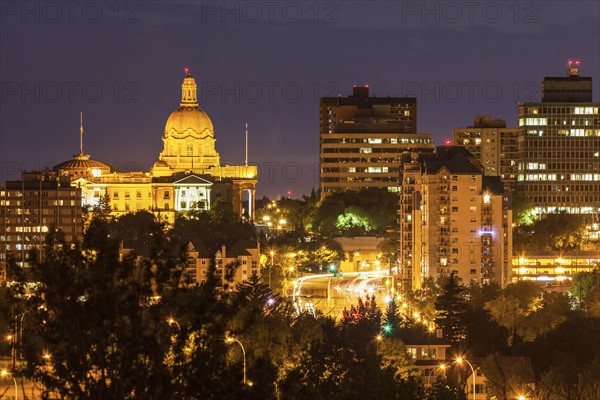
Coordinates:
(297,290)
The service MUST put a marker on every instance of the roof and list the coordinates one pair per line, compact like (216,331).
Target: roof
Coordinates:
(456,159)
(493,184)
(192,180)
(80,161)
(419,336)
(207,248)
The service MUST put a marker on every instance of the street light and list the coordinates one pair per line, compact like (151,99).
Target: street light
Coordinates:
(378,338)
(272,253)
(441,366)
(230,340)
(171,321)
(4,373)
(460,360)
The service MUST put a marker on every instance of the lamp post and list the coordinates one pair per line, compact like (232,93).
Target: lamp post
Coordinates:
(460,360)
(230,339)
(171,321)
(4,373)
(21,334)
(441,366)
(271,267)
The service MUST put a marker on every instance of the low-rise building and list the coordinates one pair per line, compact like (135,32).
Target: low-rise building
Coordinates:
(233,261)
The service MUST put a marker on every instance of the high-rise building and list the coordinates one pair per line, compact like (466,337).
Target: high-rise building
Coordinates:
(453,220)
(493,144)
(559,146)
(30,208)
(362,139)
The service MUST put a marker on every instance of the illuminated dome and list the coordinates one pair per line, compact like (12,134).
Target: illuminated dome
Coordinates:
(82,165)
(189,119)
(161,164)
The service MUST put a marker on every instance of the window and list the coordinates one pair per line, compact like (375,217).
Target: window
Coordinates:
(138,194)
(127,196)
(166,195)
(190,149)
(454,188)
(115,195)
(454,209)
(428,353)
(412,352)
(472,271)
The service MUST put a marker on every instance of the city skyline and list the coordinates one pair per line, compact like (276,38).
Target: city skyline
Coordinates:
(439,62)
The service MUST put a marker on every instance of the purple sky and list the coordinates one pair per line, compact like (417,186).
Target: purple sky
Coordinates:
(266,63)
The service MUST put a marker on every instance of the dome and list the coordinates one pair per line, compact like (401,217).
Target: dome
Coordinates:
(81,161)
(189,116)
(161,164)
(81,165)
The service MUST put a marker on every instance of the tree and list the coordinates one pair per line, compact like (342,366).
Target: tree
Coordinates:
(392,320)
(523,210)
(451,308)
(583,284)
(86,314)
(441,390)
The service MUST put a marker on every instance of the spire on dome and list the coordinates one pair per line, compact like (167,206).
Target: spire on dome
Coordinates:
(189,90)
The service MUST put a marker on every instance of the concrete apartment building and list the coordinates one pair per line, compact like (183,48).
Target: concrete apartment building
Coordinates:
(493,144)
(559,143)
(362,139)
(453,219)
(29,208)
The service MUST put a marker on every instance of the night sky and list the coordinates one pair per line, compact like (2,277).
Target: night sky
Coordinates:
(267,63)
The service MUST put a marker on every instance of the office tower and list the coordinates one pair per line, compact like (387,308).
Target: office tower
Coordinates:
(362,139)
(33,206)
(493,144)
(559,146)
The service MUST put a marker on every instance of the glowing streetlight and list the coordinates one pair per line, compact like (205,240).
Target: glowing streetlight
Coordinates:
(171,321)
(441,367)
(521,397)
(5,373)
(460,360)
(230,340)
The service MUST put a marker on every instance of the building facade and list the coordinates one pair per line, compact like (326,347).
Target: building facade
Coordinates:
(493,144)
(453,220)
(29,208)
(187,176)
(362,139)
(201,254)
(559,146)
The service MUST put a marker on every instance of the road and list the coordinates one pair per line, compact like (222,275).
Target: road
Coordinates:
(331,293)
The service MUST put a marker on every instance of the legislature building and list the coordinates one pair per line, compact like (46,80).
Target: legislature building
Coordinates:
(187,176)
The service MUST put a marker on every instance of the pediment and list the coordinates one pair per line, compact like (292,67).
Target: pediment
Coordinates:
(192,180)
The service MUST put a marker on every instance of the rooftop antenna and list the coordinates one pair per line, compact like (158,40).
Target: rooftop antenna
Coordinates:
(81,132)
(573,68)
(246,144)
